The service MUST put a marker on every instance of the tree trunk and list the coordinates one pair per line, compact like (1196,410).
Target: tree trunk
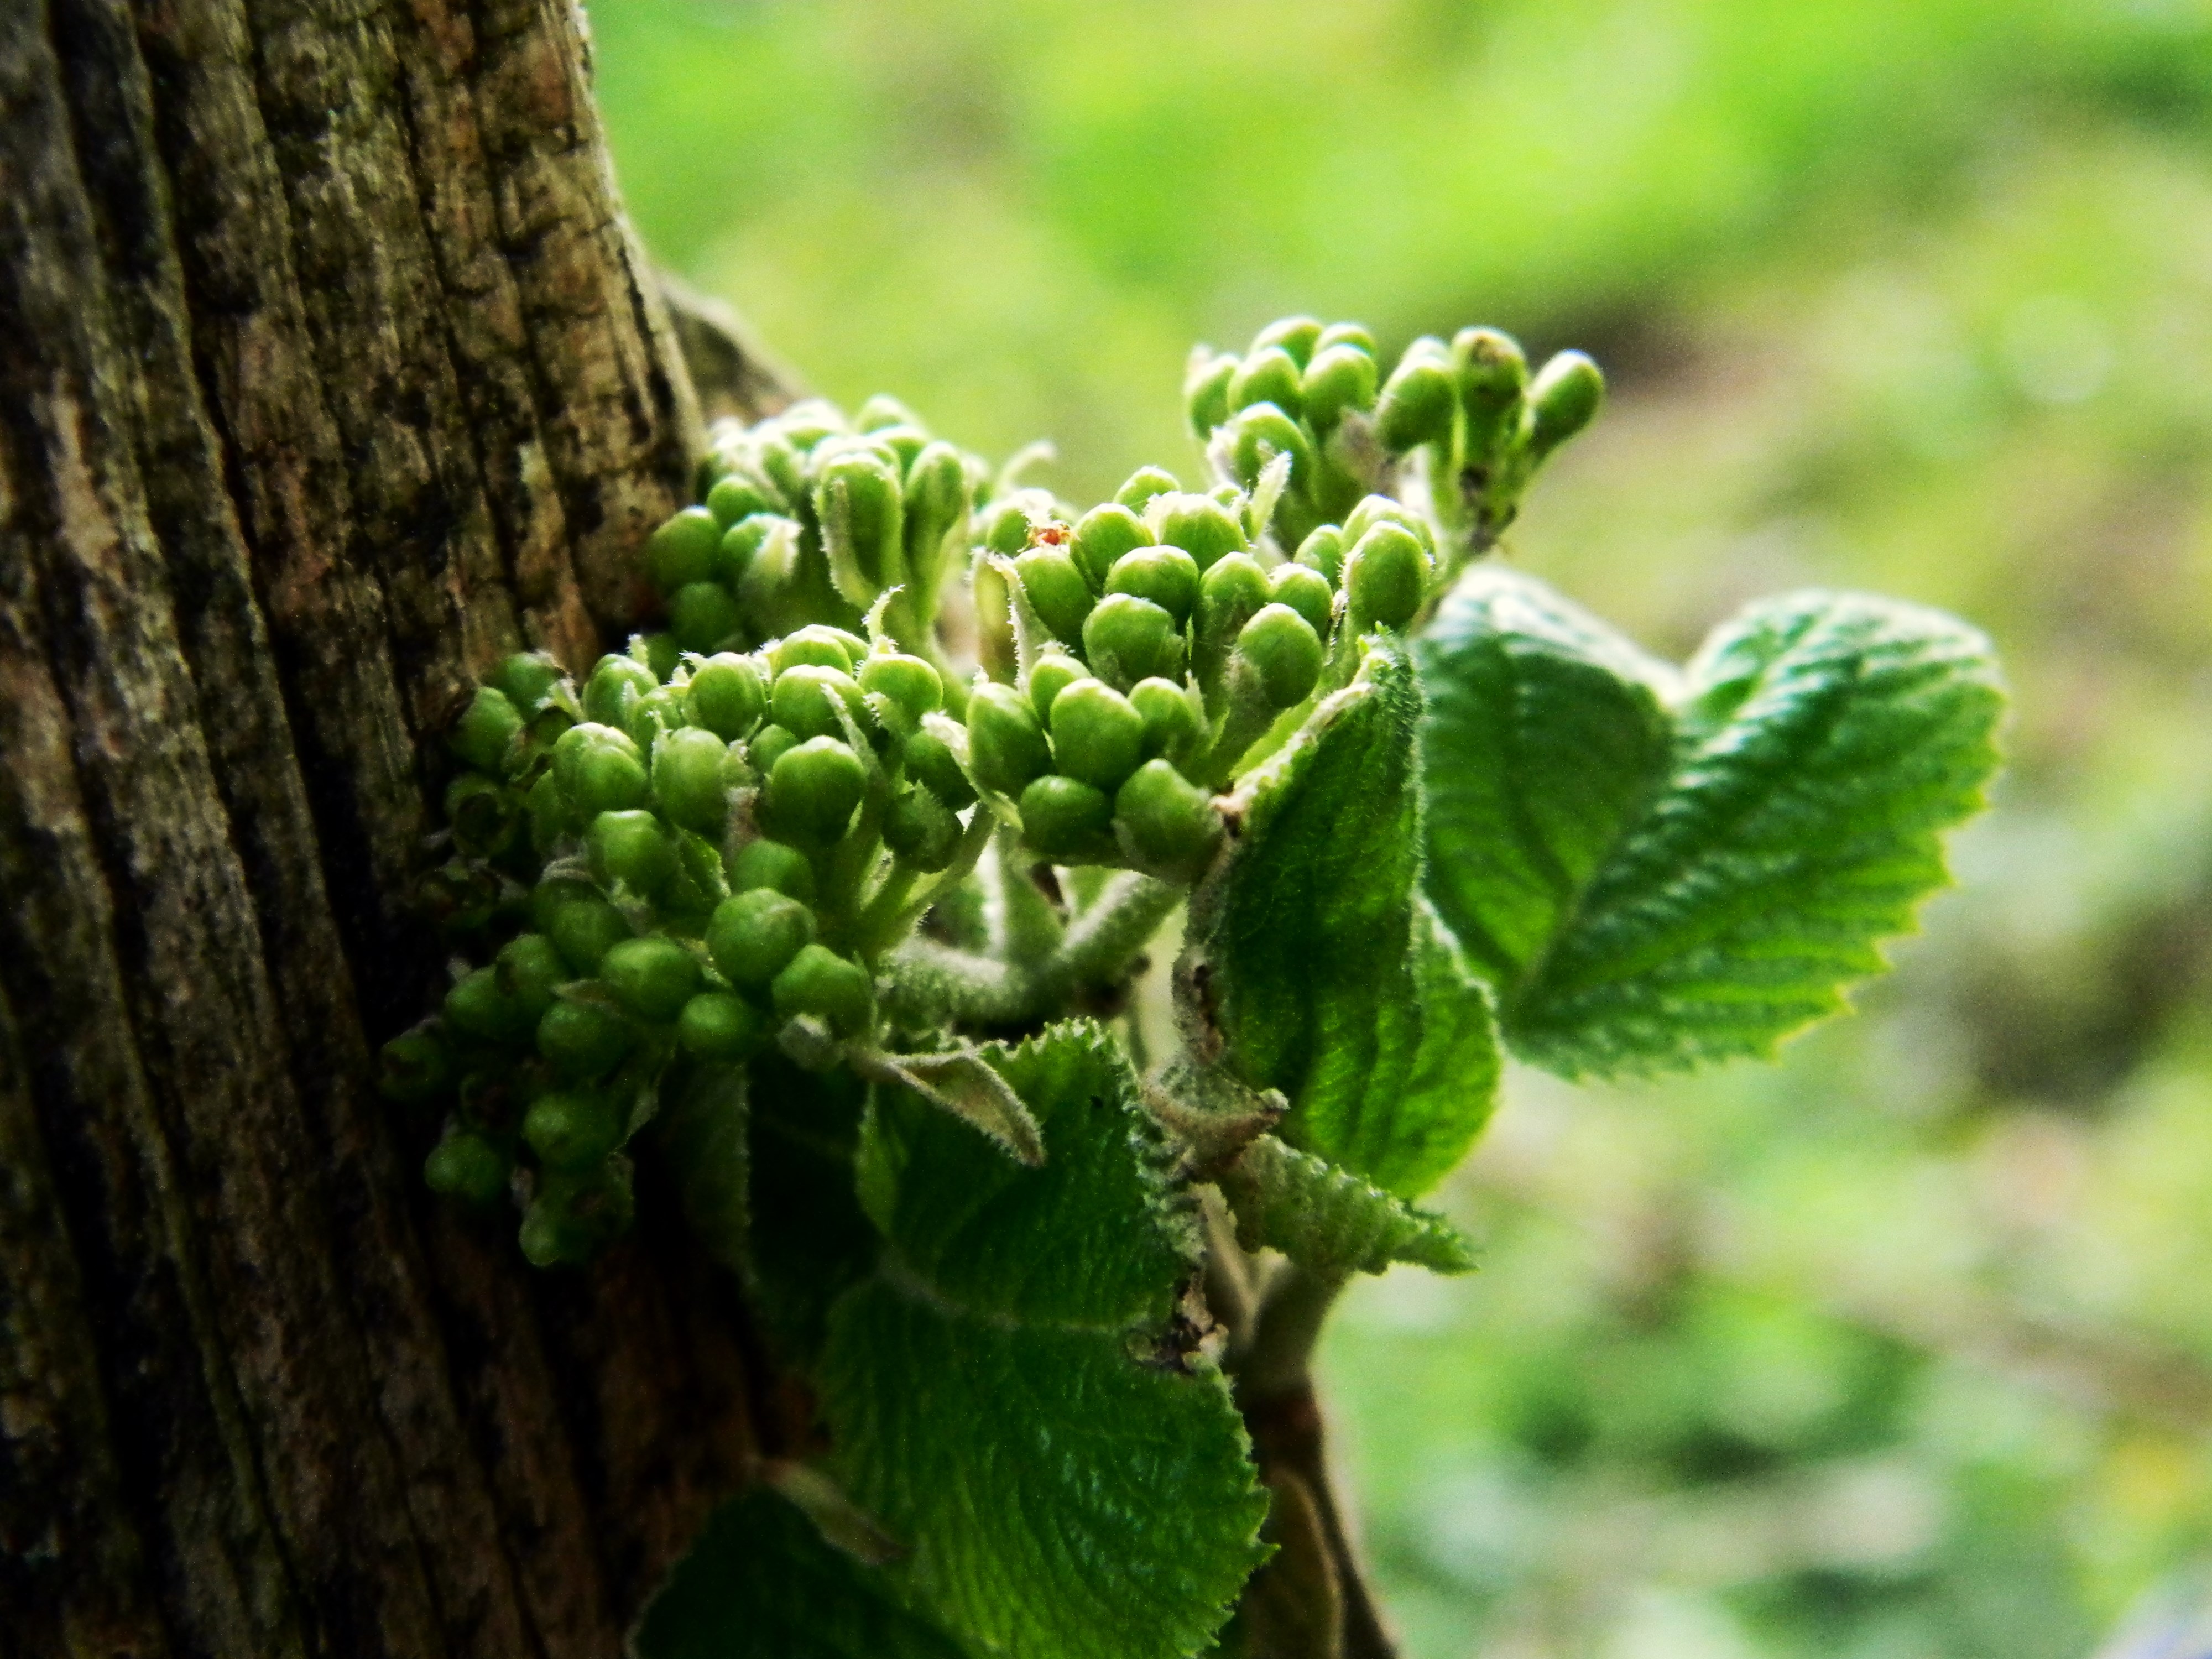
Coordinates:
(330,373)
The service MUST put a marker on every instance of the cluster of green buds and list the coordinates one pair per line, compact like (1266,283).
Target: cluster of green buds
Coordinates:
(672,869)
(809,517)
(1163,642)
(1308,404)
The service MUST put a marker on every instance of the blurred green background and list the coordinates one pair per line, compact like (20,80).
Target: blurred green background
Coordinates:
(1901,1347)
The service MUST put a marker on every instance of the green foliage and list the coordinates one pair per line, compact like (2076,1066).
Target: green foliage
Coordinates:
(1654,869)
(764,896)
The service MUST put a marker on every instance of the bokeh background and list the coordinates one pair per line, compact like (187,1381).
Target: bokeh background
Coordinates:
(1900,1348)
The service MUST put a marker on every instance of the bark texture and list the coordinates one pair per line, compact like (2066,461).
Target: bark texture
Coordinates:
(328,373)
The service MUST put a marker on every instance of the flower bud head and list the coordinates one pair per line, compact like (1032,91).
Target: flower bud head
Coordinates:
(1297,336)
(631,848)
(725,696)
(582,1042)
(599,770)
(1342,377)
(908,682)
(1052,674)
(719,1027)
(820,982)
(1105,533)
(1203,527)
(582,926)
(1170,823)
(1206,392)
(1098,736)
(1323,551)
(735,498)
(1062,817)
(572,1129)
(1174,726)
(816,644)
(467,1169)
(682,549)
(1056,590)
(613,688)
(772,864)
(1386,577)
(1006,742)
(812,791)
(527,679)
(687,781)
(1128,639)
(1562,400)
(768,745)
(1143,484)
(1167,576)
(1260,434)
(1351,334)
(1492,374)
(1269,376)
(488,727)
(754,935)
(806,699)
(741,545)
(703,616)
(1282,647)
(1418,400)
(1305,591)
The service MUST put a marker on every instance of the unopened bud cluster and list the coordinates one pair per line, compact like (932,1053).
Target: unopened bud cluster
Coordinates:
(713,841)
(1467,416)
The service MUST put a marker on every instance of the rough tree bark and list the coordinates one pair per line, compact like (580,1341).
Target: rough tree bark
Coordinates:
(328,373)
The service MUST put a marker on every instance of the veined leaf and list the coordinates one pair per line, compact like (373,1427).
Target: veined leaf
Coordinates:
(1329,1220)
(1307,964)
(810,1241)
(1011,1392)
(761,1584)
(1654,869)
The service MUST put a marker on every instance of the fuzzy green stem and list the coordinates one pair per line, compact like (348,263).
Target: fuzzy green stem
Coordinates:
(1025,927)
(1278,1360)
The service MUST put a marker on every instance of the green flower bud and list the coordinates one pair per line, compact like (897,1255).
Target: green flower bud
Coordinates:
(614,690)
(658,711)
(682,549)
(781,465)
(702,615)
(1351,334)
(736,498)
(992,589)
(861,489)
(820,982)
(806,699)
(467,1169)
(488,727)
(775,866)
(1294,336)
(1006,742)
(1062,817)
(1050,675)
(769,744)
(599,770)
(1173,727)
(1307,591)
(1169,822)
(1418,400)
(936,500)
(1056,590)
(415,1067)
(725,696)
(1285,652)
(905,443)
(1143,484)
(1381,509)
(652,978)
(1167,576)
(530,968)
(480,1006)
(812,791)
(882,411)
(1323,551)
(1007,525)
(551,816)
(582,926)
(1097,737)
(1128,639)
(634,849)
(658,651)
(1268,376)
(807,422)
(910,682)
(741,545)
(1492,374)
(814,645)
(1260,434)
(1562,400)
(1202,526)
(717,1026)
(687,781)
(572,1129)
(752,936)
(1340,377)
(929,760)
(582,1042)
(1233,591)
(1104,534)
(1386,577)
(1206,390)
(921,830)
(485,815)
(527,679)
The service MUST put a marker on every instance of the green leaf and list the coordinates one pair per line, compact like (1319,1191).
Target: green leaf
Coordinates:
(761,1584)
(1307,966)
(1654,869)
(1012,1392)
(704,1134)
(1331,1221)
(810,1241)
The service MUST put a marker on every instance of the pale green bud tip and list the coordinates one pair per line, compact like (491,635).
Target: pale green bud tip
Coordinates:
(813,790)
(682,549)
(1418,401)
(572,1129)
(1129,639)
(1167,576)
(1143,484)
(1297,338)
(1006,742)
(1260,434)
(1063,815)
(1170,823)
(1282,647)
(1056,590)
(725,696)
(820,982)
(1206,390)
(1098,736)
(1562,400)
(1268,376)
(631,848)
(1052,674)
(489,724)
(1203,527)
(1490,369)
(715,1025)
(754,935)
(913,684)
(1339,379)
(1386,576)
